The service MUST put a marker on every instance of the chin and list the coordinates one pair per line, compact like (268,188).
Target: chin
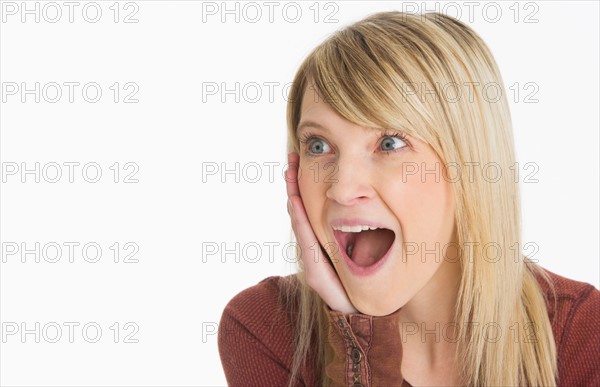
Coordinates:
(379,295)
(377,309)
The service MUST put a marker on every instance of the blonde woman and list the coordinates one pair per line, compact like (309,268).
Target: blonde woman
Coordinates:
(409,267)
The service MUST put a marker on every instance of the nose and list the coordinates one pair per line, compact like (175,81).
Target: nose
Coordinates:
(350,182)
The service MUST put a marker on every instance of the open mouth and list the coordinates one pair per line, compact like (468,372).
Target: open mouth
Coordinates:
(364,245)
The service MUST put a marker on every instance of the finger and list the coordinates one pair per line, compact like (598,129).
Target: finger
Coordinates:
(319,272)
(293,158)
(291,174)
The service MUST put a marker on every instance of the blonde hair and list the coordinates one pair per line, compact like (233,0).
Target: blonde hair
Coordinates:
(432,77)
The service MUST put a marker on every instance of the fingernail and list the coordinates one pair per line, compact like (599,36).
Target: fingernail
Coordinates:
(289,207)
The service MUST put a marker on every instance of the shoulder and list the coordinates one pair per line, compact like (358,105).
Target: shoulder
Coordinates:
(256,333)
(570,298)
(574,312)
(264,301)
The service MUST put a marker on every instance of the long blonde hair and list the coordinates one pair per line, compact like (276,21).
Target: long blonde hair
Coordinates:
(434,78)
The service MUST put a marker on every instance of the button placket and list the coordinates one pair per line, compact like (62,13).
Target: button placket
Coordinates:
(355,354)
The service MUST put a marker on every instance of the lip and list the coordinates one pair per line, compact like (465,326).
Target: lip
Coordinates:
(357,222)
(362,271)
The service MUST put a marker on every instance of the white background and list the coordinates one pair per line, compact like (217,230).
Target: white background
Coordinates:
(175,293)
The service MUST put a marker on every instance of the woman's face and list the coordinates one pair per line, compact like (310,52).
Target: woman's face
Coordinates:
(352,177)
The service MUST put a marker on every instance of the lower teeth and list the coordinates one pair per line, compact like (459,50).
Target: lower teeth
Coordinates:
(349,250)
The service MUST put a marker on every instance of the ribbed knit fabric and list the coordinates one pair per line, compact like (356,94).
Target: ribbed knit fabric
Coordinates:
(256,340)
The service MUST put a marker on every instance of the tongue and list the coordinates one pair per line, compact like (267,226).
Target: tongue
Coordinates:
(371,245)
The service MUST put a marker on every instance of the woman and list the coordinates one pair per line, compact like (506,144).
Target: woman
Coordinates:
(410,271)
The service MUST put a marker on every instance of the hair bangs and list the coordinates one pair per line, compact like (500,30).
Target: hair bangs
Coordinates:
(345,73)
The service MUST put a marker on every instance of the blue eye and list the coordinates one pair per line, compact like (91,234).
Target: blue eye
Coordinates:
(392,143)
(318,146)
(314,145)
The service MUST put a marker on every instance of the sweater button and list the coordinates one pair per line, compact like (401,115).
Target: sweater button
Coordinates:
(356,355)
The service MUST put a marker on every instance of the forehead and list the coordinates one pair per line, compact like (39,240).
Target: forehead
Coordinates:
(316,113)
(311,95)
(313,103)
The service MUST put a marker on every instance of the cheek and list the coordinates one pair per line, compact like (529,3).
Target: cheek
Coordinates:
(312,192)
(308,189)
(424,206)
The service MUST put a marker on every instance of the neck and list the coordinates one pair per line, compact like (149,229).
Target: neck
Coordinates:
(427,321)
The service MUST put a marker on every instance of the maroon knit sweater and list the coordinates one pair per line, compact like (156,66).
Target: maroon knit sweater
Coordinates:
(256,340)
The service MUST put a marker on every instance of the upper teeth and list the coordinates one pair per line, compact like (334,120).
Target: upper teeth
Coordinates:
(354,228)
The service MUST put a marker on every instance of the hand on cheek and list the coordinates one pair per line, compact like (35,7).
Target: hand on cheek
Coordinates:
(320,275)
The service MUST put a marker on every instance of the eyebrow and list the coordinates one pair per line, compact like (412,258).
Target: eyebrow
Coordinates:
(316,125)
(310,124)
